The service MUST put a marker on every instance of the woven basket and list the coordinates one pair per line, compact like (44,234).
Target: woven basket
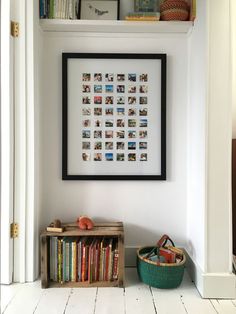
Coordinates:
(164,276)
(174,10)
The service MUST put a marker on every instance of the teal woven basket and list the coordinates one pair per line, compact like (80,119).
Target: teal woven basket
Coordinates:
(163,276)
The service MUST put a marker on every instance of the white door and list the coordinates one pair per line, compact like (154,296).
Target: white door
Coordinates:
(7,140)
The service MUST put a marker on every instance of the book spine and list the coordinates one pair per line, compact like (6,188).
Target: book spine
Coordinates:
(103,263)
(59,261)
(115,264)
(41,9)
(193,10)
(67,261)
(51,4)
(70,261)
(79,254)
(63,261)
(55,259)
(74,262)
(83,262)
(107,262)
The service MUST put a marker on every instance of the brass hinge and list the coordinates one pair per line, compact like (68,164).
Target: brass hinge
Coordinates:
(14,230)
(14,29)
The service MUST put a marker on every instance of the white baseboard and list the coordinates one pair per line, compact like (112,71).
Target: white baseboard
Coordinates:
(211,285)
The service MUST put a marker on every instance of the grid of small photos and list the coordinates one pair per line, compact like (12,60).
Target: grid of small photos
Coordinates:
(114,117)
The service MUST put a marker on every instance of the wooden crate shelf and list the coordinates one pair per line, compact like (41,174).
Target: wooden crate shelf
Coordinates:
(113,230)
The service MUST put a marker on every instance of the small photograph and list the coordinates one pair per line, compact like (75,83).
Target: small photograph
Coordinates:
(109,156)
(143,112)
(143,100)
(143,157)
(108,134)
(86,100)
(132,100)
(97,134)
(97,88)
(143,134)
(98,100)
(86,88)
(97,123)
(131,145)
(120,111)
(131,157)
(120,100)
(143,89)
(143,77)
(142,145)
(86,123)
(86,77)
(97,77)
(97,145)
(132,89)
(85,156)
(109,123)
(132,123)
(132,112)
(97,157)
(143,123)
(85,134)
(120,157)
(86,111)
(131,134)
(120,145)
(109,100)
(109,77)
(86,145)
(120,77)
(109,88)
(120,88)
(120,123)
(97,111)
(109,111)
(132,77)
(109,145)
(120,134)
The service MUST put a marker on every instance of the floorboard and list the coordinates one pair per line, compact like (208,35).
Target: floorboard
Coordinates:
(53,301)
(135,298)
(81,300)
(26,299)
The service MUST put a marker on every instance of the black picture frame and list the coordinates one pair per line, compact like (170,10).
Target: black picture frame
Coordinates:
(99,10)
(112,57)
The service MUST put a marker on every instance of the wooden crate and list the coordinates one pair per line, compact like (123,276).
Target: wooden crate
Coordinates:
(114,229)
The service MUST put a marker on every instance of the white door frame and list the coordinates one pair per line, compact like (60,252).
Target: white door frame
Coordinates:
(6,144)
(26,245)
(18,144)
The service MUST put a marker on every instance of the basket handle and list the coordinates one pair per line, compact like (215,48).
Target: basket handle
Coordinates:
(163,240)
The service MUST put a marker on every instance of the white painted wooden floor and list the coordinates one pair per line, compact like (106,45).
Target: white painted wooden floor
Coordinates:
(135,298)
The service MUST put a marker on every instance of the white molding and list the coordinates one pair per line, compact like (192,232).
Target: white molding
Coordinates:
(6,146)
(106,26)
(211,285)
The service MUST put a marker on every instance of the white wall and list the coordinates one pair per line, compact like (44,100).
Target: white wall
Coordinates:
(148,209)
(196,144)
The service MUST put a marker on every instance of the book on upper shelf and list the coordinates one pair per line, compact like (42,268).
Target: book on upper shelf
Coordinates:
(59,9)
(143,16)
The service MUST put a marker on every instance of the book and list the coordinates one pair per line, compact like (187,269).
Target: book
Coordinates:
(74,261)
(115,271)
(59,249)
(143,16)
(193,10)
(79,260)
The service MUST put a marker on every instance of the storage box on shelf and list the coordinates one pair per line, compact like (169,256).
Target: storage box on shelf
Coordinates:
(83,258)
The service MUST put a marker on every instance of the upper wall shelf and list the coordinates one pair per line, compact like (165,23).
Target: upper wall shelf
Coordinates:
(107,26)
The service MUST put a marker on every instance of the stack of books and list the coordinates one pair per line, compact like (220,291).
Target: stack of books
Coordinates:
(143,16)
(80,259)
(59,9)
